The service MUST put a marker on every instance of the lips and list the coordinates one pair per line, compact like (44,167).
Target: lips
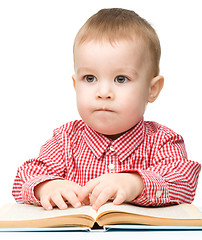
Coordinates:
(104,110)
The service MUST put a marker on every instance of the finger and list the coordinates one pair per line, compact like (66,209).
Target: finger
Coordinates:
(59,201)
(120,198)
(82,194)
(87,189)
(82,197)
(46,203)
(72,198)
(103,197)
(95,194)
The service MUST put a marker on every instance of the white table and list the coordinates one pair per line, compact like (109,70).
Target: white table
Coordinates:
(135,235)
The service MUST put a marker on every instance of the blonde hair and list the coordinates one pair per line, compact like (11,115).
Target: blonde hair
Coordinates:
(117,24)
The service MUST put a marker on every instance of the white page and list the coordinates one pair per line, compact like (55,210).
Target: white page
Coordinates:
(181,211)
(14,211)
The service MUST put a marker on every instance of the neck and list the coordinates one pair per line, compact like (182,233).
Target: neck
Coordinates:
(115,136)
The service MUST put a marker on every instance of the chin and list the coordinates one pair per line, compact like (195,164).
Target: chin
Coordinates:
(107,133)
(107,130)
(104,131)
(111,132)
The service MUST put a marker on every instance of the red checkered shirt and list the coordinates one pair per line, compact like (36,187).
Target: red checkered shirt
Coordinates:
(78,153)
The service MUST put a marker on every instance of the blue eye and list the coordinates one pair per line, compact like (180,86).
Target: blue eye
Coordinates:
(90,78)
(121,79)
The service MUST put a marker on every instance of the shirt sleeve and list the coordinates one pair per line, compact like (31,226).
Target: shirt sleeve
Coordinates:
(49,165)
(172,178)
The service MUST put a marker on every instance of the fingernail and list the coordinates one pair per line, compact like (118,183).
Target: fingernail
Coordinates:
(94,207)
(78,204)
(64,206)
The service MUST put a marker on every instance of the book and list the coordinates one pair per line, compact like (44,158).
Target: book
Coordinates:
(15,215)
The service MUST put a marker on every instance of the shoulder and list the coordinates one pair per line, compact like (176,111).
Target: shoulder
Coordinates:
(73,126)
(160,132)
(70,129)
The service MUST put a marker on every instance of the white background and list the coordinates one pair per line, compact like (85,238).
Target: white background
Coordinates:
(36,65)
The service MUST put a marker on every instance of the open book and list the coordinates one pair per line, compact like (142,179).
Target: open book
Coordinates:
(29,216)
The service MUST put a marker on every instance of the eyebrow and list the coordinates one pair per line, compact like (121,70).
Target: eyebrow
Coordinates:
(130,70)
(84,69)
(120,70)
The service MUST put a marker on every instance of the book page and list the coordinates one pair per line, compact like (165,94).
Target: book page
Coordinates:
(14,211)
(182,211)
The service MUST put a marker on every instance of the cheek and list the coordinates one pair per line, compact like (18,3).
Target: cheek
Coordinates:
(83,102)
(134,103)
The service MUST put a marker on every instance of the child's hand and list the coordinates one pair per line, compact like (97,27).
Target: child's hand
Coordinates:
(55,192)
(121,187)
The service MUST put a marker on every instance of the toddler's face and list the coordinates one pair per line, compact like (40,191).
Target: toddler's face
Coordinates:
(112,84)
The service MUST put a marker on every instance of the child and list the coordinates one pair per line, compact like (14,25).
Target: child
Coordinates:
(112,153)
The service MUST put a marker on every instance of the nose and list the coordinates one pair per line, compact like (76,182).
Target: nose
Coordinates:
(105,91)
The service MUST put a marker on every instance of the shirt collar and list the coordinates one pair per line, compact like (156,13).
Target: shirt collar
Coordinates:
(130,141)
(97,142)
(123,146)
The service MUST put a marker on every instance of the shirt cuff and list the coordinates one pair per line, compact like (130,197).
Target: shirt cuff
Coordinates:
(155,191)
(28,188)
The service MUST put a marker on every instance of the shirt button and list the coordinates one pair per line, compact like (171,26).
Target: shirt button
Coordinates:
(111,166)
(111,148)
(158,193)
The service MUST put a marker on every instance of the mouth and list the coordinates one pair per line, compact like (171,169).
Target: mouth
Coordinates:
(104,110)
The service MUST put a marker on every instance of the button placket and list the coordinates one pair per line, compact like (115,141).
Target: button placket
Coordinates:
(111,167)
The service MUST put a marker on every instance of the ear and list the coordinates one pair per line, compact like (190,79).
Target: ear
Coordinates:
(156,85)
(74,81)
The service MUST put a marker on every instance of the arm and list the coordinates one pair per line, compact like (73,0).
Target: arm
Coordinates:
(48,166)
(172,178)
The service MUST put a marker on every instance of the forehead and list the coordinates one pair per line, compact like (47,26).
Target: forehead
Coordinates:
(134,46)
(133,38)
(102,52)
